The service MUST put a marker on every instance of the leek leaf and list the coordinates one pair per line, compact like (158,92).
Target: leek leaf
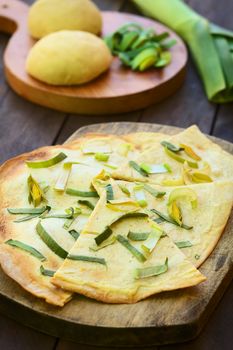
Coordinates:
(47,163)
(27,248)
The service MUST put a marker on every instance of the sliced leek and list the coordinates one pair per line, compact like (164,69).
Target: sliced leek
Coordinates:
(109,192)
(153,192)
(45,272)
(124,189)
(102,157)
(151,271)
(155,235)
(136,253)
(170,220)
(63,177)
(154,169)
(75,234)
(138,236)
(103,236)
(104,244)
(27,248)
(171,147)
(190,152)
(91,259)
(179,159)
(50,242)
(47,163)
(137,167)
(87,204)
(19,211)
(35,193)
(140,195)
(90,194)
(183,244)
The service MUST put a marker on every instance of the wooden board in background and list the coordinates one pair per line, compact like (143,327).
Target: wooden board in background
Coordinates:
(168,317)
(118,90)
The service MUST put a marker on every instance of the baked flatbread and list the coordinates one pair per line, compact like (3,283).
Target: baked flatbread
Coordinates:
(20,265)
(214,161)
(115,282)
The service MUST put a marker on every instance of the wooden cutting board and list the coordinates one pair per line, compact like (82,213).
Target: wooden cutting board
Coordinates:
(168,317)
(118,90)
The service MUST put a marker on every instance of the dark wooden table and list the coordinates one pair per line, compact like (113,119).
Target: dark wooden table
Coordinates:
(25,126)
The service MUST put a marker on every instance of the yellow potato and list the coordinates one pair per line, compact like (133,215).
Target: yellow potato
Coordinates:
(68,58)
(48,16)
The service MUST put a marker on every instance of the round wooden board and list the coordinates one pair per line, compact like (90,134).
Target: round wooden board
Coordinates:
(168,317)
(118,90)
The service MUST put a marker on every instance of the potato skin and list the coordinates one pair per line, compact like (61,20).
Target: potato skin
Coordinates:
(68,58)
(48,16)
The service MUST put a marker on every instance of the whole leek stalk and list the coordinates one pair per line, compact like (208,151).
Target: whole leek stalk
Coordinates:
(209,44)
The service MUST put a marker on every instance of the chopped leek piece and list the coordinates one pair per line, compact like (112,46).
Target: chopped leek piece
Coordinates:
(167,166)
(136,253)
(45,272)
(151,271)
(179,159)
(171,147)
(63,177)
(173,182)
(103,157)
(27,218)
(183,193)
(90,194)
(109,192)
(50,242)
(140,196)
(124,189)
(155,235)
(153,169)
(136,167)
(134,215)
(47,163)
(190,152)
(18,211)
(103,236)
(69,215)
(69,222)
(121,206)
(74,234)
(200,177)
(175,212)
(153,191)
(104,244)
(36,195)
(111,166)
(86,203)
(91,259)
(183,244)
(26,248)
(138,236)
(124,149)
(170,220)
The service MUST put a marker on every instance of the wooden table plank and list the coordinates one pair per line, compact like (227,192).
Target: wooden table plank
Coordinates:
(14,336)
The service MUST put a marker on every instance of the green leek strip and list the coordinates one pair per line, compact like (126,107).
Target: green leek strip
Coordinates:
(179,159)
(170,220)
(47,163)
(69,215)
(91,259)
(87,204)
(111,166)
(102,157)
(75,234)
(18,211)
(90,194)
(106,243)
(154,169)
(109,192)
(26,248)
(69,222)
(171,147)
(151,271)
(152,240)
(27,218)
(140,196)
(159,220)
(153,192)
(45,272)
(136,167)
(138,236)
(167,166)
(183,244)
(103,236)
(136,253)
(133,215)
(50,242)
(63,178)
(124,189)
